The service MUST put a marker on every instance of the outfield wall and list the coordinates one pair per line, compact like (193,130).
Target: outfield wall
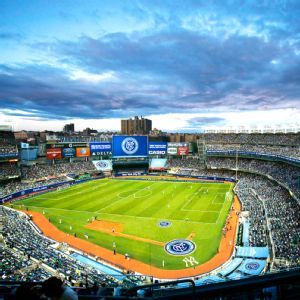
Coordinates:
(40,189)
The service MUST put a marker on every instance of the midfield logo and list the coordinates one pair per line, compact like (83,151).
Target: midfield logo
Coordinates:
(180,247)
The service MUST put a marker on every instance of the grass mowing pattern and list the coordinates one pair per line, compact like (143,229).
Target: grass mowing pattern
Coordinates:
(139,205)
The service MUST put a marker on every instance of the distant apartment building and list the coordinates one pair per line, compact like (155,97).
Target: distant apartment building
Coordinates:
(69,128)
(136,126)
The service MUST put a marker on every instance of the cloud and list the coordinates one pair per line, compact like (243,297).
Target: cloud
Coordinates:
(6,36)
(173,58)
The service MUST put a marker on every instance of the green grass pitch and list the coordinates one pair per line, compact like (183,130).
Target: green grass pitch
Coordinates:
(198,207)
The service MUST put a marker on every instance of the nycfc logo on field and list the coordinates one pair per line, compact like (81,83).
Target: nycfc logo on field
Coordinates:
(252,266)
(164,224)
(180,247)
(130,145)
(102,164)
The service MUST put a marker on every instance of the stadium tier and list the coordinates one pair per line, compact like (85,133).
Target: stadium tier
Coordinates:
(131,212)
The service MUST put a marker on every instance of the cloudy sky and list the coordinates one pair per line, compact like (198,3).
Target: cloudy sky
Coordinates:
(185,64)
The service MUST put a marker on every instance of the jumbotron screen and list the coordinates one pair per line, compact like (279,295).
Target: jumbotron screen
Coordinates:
(130,146)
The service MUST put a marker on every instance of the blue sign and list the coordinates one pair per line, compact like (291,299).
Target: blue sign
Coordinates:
(180,247)
(100,148)
(6,155)
(29,154)
(130,146)
(164,224)
(157,148)
(68,152)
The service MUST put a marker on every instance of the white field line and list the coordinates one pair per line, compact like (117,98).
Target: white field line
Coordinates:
(157,219)
(70,195)
(200,210)
(122,198)
(217,221)
(63,209)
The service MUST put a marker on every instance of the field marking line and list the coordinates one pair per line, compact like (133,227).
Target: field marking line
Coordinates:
(200,210)
(120,198)
(69,195)
(156,219)
(64,209)
(230,191)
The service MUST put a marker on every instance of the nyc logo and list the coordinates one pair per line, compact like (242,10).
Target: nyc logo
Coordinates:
(180,247)
(130,145)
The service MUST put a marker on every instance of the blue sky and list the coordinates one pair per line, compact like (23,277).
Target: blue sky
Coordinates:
(185,64)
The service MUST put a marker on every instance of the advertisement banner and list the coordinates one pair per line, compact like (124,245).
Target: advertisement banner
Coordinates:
(178,145)
(67,145)
(183,151)
(130,146)
(29,154)
(53,153)
(68,152)
(157,148)
(83,152)
(24,145)
(103,165)
(100,148)
(172,151)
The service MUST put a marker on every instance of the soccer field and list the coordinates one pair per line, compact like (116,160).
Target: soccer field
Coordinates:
(130,213)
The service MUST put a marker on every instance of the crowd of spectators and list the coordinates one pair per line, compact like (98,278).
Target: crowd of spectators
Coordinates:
(22,239)
(15,186)
(284,173)
(257,215)
(16,266)
(48,170)
(283,139)
(282,211)
(286,151)
(189,163)
(7,149)
(9,170)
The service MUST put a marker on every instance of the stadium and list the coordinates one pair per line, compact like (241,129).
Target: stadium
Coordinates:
(132,212)
(149,149)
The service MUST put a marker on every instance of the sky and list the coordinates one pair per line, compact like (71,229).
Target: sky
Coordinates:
(187,65)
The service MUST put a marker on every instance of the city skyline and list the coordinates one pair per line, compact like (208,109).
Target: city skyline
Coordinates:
(185,65)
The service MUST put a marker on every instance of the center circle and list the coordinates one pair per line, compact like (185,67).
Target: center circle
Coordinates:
(180,247)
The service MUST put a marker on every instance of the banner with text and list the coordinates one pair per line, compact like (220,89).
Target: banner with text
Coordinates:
(53,153)
(100,148)
(157,148)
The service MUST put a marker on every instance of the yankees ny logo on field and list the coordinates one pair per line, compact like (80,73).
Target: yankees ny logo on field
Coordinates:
(190,261)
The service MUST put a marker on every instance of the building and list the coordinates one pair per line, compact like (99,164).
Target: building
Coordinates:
(70,128)
(136,126)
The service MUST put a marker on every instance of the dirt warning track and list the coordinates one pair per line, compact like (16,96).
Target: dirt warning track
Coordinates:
(224,252)
(115,229)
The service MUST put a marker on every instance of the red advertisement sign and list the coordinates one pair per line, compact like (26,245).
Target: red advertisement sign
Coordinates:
(82,152)
(53,153)
(182,151)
